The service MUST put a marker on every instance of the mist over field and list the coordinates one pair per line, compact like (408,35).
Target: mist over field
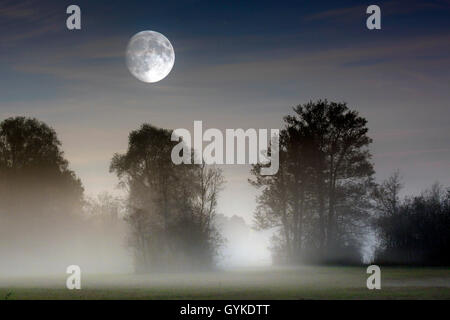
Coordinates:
(243,246)
(47,247)
(97,241)
(98,244)
(100,248)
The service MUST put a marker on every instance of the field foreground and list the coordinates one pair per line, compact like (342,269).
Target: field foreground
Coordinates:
(258,283)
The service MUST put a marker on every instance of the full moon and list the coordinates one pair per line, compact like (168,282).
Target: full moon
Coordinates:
(150,56)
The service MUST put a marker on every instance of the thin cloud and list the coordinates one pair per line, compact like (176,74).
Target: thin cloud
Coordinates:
(18,10)
(28,19)
(341,14)
(388,8)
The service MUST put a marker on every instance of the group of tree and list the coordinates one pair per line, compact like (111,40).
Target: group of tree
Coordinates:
(169,209)
(319,199)
(322,202)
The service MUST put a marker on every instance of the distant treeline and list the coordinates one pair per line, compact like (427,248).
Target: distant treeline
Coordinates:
(413,231)
(323,202)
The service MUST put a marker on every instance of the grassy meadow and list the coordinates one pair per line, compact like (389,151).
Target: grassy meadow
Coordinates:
(257,283)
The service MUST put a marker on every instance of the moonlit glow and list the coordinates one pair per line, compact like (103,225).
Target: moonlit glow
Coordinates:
(150,56)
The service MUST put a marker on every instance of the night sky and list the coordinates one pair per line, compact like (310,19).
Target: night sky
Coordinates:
(238,64)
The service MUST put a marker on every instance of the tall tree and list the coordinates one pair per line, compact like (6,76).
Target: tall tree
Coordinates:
(341,142)
(171,206)
(326,164)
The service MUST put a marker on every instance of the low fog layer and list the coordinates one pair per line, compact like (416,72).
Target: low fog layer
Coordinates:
(243,246)
(94,240)
(98,244)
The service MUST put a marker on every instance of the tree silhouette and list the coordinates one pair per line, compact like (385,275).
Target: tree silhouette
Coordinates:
(413,231)
(35,181)
(319,197)
(171,206)
(40,198)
